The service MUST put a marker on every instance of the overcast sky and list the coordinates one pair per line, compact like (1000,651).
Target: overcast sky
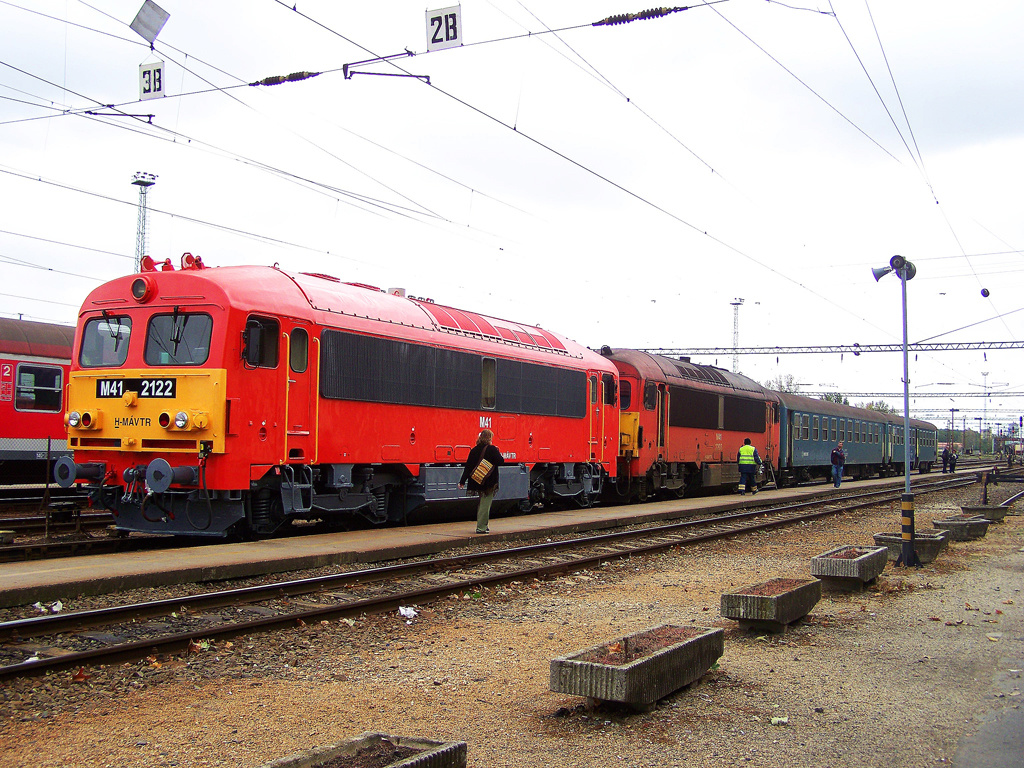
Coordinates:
(621,185)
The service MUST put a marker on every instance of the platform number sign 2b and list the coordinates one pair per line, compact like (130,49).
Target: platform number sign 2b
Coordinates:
(151,80)
(444,28)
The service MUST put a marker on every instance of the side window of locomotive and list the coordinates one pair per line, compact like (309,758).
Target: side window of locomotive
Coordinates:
(298,350)
(650,396)
(609,388)
(625,395)
(260,341)
(40,388)
(105,341)
(181,338)
(488,383)
(593,389)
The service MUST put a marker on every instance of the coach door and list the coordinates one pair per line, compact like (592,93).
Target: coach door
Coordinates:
(302,369)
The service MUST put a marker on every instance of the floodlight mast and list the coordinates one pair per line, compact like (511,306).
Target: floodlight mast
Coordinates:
(143,181)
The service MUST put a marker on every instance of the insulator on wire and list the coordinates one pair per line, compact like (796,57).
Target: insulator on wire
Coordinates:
(625,18)
(278,79)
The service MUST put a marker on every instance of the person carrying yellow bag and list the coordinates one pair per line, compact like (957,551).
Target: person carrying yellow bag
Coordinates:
(481,473)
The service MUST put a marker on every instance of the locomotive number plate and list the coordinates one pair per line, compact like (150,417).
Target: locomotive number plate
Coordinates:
(145,387)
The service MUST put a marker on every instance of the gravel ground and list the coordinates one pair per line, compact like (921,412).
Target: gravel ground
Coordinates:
(892,676)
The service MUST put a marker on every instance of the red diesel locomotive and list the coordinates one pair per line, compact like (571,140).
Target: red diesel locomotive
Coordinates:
(232,400)
(683,424)
(34,362)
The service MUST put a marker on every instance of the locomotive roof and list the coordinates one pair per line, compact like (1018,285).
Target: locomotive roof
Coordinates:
(26,337)
(349,306)
(826,407)
(683,372)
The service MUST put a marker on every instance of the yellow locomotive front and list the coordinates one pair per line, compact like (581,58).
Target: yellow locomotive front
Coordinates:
(147,409)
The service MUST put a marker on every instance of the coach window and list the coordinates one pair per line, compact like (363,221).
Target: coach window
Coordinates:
(105,341)
(298,350)
(39,388)
(805,429)
(180,338)
(814,428)
(849,430)
(260,340)
(488,382)
(625,395)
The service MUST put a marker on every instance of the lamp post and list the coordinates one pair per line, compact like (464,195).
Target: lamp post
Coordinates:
(908,555)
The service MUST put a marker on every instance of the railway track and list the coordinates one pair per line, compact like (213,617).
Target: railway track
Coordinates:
(177,625)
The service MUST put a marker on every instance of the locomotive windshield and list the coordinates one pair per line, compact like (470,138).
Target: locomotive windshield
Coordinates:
(105,341)
(181,338)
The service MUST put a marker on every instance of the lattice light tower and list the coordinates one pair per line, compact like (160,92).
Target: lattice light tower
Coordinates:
(143,181)
(736,304)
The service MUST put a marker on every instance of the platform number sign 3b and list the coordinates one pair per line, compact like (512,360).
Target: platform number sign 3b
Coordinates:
(444,28)
(151,80)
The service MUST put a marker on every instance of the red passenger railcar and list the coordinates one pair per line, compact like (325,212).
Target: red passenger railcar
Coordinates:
(34,361)
(234,399)
(682,424)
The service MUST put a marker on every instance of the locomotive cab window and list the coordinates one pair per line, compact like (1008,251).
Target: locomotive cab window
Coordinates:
(180,338)
(105,341)
(650,396)
(298,350)
(40,388)
(625,395)
(260,341)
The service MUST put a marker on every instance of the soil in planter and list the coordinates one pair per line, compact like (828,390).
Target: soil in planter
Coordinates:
(377,755)
(847,554)
(774,587)
(639,645)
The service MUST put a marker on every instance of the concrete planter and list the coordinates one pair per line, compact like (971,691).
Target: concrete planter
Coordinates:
(771,605)
(667,658)
(963,527)
(927,544)
(992,514)
(429,754)
(849,568)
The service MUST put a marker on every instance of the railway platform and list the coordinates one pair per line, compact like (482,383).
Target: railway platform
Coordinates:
(24,583)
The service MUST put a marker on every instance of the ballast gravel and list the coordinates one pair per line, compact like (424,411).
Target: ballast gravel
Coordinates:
(893,676)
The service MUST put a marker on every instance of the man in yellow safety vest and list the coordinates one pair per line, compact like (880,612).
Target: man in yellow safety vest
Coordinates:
(748,462)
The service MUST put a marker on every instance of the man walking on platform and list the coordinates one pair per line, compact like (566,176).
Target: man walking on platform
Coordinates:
(838,463)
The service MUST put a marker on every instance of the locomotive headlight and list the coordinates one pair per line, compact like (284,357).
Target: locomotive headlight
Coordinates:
(181,419)
(74,419)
